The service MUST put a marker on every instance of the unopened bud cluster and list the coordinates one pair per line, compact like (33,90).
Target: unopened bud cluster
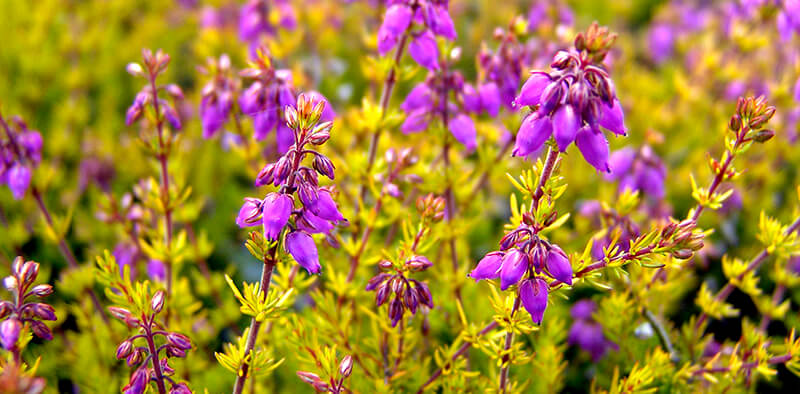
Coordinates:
(335,384)
(22,312)
(20,153)
(148,365)
(154,65)
(752,115)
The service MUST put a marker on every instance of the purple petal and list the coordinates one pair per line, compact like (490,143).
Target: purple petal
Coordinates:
(532,89)
(395,23)
(565,126)
(416,121)
(325,207)
(558,265)
(18,178)
(463,130)
(419,97)
(533,133)
(533,293)
(490,98)
(612,119)
(302,248)
(583,310)
(620,163)
(472,100)
(285,138)
(276,209)
(249,214)
(515,264)
(440,22)
(424,51)
(488,267)
(594,147)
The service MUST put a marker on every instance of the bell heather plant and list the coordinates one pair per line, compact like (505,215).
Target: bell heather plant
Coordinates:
(513,198)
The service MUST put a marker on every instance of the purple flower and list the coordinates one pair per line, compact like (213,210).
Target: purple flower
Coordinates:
(661,42)
(424,51)
(490,98)
(470,97)
(302,248)
(463,130)
(515,264)
(438,19)
(612,119)
(587,333)
(594,147)
(125,254)
(638,171)
(325,207)
(395,23)
(533,293)
(9,333)
(419,97)
(533,133)
(558,265)
(156,270)
(416,121)
(488,267)
(565,126)
(250,213)
(532,89)
(213,113)
(275,209)
(18,179)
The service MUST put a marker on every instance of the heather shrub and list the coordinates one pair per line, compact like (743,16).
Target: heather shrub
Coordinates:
(405,196)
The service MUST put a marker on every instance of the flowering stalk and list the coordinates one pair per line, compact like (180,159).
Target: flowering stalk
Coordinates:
(149,365)
(255,325)
(29,154)
(154,65)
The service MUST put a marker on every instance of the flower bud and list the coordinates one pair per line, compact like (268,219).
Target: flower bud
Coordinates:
(135,357)
(384,290)
(43,311)
(180,388)
(157,302)
(134,69)
(324,166)
(265,176)
(29,272)
(137,383)
(11,283)
(735,123)
(5,309)
(682,254)
(419,263)
(346,366)
(124,349)
(179,340)
(410,300)
(376,281)
(41,330)
(173,351)
(763,135)
(43,290)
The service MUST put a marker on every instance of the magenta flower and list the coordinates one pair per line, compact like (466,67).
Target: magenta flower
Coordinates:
(515,264)
(424,51)
(431,15)
(301,246)
(587,333)
(570,104)
(638,170)
(395,23)
(425,103)
(558,265)
(250,213)
(533,293)
(275,209)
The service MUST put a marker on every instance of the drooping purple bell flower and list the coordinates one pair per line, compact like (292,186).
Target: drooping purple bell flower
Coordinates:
(463,129)
(9,333)
(515,264)
(395,23)
(250,213)
(558,265)
(533,133)
(594,147)
(325,207)
(533,293)
(302,248)
(275,209)
(18,179)
(488,267)
(423,50)
(532,90)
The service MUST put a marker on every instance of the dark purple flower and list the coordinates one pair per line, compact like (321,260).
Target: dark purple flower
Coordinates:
(587,333)
(533,293)
(490,98)
(18,178)
(325,207)
(532,89)
(301,246)
(612,119)
(565,126)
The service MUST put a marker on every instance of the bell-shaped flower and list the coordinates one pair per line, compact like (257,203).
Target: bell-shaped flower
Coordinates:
(424,51)
(613,119)
(276,209)
(515,264)
(594,147)
(565,126)
(533,133)
(325,207)
(488,267)
(395,23)
(463,130)
(302,248)
(558,265)
(531,92)
(533,293)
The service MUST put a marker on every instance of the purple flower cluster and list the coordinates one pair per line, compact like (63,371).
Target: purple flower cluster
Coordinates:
(21,312)
(146,358)
(679,19)
(554,11)
(586,332)
(155,64)
(409,294)
(217,96)
(433,17)
(255,23)
(20,152)
(526,260)
(265,99)
(638,170)
(571,103)
(431,99)
(298,184)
